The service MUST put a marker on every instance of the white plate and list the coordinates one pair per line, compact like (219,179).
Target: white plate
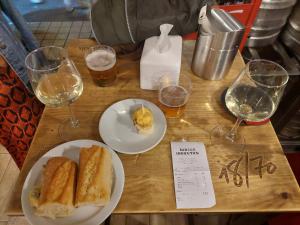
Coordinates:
(85,215)
(118,131)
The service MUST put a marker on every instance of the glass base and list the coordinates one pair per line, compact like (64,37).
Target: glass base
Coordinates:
(219,135)
(69,131)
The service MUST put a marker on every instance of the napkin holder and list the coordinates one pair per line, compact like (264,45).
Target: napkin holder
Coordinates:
(161,55)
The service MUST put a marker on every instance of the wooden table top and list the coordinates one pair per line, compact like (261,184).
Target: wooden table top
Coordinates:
(258,179)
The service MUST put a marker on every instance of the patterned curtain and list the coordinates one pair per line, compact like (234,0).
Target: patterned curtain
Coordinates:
(20,112)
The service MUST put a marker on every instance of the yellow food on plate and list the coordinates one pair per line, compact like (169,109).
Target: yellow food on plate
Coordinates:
(55,198)
(143,120)
(95,177)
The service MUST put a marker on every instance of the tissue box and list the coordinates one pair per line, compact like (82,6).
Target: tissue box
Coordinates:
(154,64)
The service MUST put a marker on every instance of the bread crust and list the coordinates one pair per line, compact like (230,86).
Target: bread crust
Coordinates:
(58,188)
(95,177)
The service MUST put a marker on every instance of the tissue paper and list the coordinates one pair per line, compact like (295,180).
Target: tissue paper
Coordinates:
(163,43)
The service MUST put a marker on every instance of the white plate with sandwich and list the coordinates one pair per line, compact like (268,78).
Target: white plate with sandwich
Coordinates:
(132,126)
(78,182)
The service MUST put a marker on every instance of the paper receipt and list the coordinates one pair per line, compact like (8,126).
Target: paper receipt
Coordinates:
(192,178)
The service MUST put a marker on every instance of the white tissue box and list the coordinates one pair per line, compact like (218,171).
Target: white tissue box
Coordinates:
(155,64)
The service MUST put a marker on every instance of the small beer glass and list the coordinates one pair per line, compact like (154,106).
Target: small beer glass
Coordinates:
(101,61)
(173,95)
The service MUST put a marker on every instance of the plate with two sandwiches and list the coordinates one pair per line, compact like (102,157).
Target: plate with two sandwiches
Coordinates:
(79,182)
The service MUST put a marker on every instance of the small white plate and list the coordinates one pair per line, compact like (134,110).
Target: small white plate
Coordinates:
(118,131)
(84,215)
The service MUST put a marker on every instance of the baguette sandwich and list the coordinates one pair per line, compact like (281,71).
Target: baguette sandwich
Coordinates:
(56,196)
(95,177)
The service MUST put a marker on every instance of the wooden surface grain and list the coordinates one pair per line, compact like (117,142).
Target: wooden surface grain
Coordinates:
(257,178)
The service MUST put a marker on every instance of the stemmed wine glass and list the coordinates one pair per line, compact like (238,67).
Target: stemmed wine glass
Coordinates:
(56,81)
(254,96)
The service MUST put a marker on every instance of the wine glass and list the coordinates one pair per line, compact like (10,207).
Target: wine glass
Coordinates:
(55,81)
(254,96)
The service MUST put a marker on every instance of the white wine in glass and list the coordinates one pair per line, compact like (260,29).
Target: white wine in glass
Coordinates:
(254,96)
(54,91)
(55,81)
(249,103)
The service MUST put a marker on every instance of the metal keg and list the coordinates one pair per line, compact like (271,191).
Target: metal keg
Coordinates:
(263,32)
(259,22)
(273,11)
(261,41)
(294,20)
(290,41)
(270,9)
(291,34)
(270,19)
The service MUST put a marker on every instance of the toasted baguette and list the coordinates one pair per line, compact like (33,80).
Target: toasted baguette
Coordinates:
(57,189)
(95,177)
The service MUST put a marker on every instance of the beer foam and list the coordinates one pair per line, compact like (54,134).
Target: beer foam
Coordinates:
(100,60)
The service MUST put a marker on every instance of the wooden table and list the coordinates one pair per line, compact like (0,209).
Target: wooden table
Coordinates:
(263,181)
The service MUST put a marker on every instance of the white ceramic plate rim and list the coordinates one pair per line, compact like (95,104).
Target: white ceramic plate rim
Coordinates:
(104,212)
(109,143)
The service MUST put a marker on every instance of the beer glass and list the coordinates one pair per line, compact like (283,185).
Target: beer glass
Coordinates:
(101,62)
(173,95)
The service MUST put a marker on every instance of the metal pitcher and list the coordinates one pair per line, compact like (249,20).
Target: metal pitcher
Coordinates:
(219,37)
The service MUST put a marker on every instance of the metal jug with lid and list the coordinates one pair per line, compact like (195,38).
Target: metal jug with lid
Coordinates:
(218,41)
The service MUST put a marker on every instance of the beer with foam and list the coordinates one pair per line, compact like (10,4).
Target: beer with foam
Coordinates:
(101,62)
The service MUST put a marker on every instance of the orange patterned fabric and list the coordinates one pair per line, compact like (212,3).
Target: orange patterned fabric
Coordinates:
(20,112)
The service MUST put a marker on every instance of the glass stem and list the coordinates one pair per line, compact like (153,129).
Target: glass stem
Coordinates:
(232,134)
(73,120)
